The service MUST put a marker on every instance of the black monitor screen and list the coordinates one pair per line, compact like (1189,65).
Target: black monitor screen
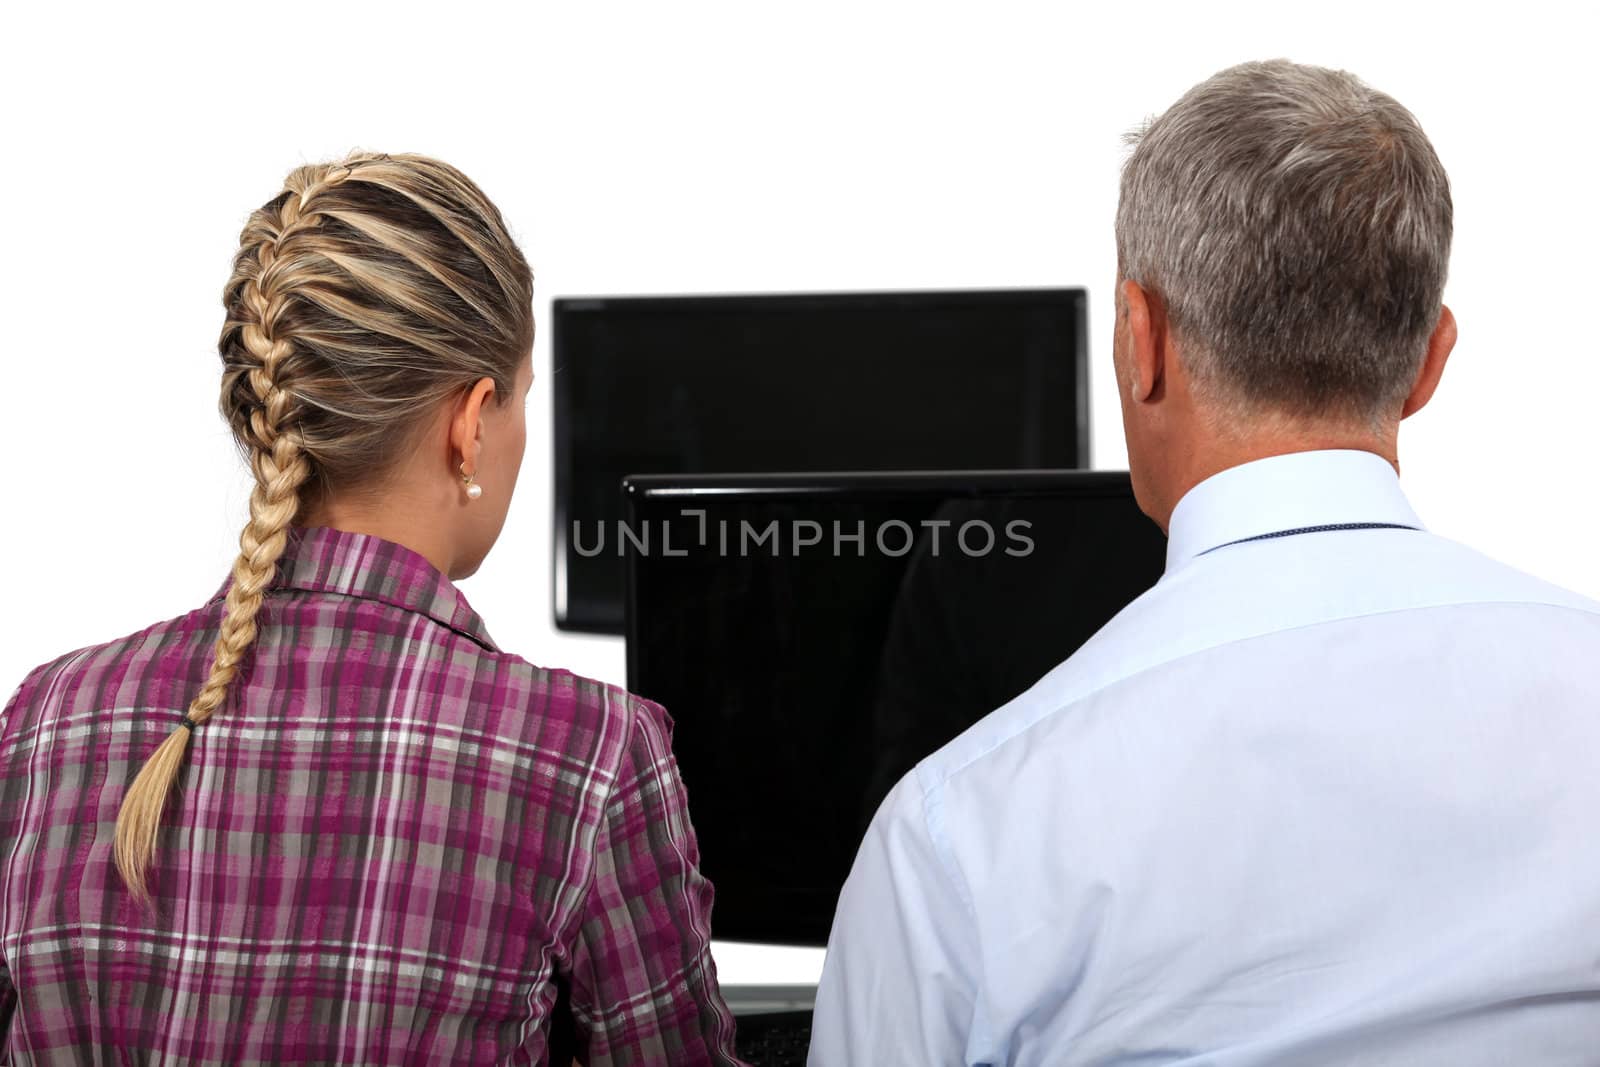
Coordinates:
(813,637)
(858,381)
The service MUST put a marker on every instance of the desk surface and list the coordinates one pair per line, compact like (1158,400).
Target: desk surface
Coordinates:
(760,999)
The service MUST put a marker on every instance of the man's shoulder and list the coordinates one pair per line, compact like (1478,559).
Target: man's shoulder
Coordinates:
(1217,604)
(1431,570)
(1112,655)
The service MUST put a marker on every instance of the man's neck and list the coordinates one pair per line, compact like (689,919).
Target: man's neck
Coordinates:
(1212,454)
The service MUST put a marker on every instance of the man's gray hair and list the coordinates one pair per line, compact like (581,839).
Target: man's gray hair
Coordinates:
(1296,225)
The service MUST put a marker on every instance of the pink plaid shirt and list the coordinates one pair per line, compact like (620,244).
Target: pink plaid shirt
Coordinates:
(391,845)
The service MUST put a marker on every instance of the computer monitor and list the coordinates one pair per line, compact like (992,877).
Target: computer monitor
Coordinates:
(814,636)
(804,382)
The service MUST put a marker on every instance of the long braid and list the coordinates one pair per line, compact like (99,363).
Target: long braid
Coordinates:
(281,467)
(366,291)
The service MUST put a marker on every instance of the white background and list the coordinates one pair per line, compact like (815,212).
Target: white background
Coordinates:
(694,148)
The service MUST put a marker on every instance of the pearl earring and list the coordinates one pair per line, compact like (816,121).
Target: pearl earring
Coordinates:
(474,491)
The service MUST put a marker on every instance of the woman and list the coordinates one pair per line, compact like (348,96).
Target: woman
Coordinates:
(323,818)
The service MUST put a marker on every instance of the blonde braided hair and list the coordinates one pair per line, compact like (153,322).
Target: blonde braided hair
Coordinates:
(370,289)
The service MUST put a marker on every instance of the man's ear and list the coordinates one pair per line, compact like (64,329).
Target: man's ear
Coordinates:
(1145,323)
(1442,340)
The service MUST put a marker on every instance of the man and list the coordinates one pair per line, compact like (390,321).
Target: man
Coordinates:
(1327,794)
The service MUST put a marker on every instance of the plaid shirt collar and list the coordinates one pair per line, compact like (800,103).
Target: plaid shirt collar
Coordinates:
(322,559)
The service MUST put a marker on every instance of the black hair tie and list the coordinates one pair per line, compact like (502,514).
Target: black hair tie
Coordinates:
(188,722)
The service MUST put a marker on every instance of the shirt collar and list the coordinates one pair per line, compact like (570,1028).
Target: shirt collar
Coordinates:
(322,559)
(1286,493)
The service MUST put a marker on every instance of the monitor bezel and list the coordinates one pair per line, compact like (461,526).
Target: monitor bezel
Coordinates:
(569,620)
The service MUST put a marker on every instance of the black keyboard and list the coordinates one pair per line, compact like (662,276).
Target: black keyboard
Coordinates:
(774,1038)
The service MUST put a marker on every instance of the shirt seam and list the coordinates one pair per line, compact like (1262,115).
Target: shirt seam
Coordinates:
(933,826)
(590,847)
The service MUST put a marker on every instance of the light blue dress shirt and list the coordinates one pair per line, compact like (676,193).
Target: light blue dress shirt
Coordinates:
(1331,798)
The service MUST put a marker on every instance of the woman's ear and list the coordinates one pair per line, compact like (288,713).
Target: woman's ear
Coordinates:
(466,422)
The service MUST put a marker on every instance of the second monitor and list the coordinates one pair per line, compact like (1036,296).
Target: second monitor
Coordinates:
(966,380)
